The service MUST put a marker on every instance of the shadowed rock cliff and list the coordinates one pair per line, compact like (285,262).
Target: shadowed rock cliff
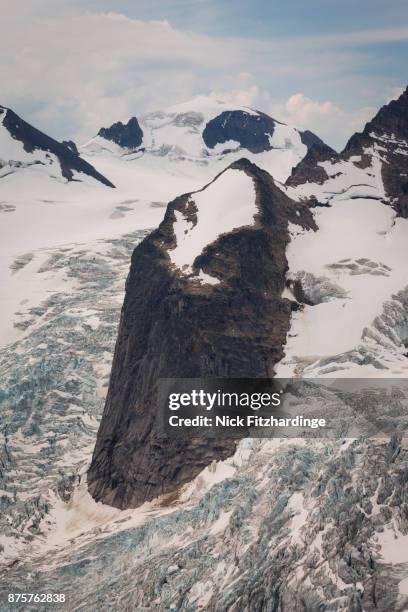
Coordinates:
(175,325)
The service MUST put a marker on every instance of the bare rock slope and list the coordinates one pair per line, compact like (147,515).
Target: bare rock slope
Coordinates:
(194,308)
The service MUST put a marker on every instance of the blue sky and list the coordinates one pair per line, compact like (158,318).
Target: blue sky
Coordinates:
(71,66)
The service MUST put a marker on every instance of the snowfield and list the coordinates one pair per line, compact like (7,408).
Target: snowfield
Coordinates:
(358,255)
(49,214)
(360,247)
(225,205)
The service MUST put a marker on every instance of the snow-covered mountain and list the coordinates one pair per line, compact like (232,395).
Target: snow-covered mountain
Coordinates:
(351,274)
(316,267)
(375,161)
(202,136)
(23,148)
(333,254)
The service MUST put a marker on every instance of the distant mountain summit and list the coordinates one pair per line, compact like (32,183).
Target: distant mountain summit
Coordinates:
(205,131)
(22,147)
(128,136)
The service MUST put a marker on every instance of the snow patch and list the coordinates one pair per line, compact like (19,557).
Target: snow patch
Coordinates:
(393,546)
(226,204)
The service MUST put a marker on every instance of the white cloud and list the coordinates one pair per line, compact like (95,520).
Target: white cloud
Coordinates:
(305,111)
(332,123)
(71,72)
(241,97)
(89,70)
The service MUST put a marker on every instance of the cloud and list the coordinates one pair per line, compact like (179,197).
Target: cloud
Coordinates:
(332,123)
(70,72)
(368,37)
(90,69)
(305,111)
(242,97)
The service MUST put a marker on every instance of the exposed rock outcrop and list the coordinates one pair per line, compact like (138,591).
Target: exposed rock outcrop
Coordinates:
(252,131)
(32,140)
(71,145)
(175,325)
(129,135)
(309,169)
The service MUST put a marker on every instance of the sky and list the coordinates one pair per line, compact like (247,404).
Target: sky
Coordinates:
(72,66)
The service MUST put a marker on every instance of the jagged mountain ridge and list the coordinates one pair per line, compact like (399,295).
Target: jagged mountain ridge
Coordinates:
(384,137)
(352,271)
(129,135)
(23,146)
(196,292)
(218,126)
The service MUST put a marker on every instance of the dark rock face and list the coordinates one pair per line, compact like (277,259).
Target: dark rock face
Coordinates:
(389,130)
(32,139)
(71,145)
(308,169)
(311,140)
(172,326)
(252,131)
(392,118)
(129,135)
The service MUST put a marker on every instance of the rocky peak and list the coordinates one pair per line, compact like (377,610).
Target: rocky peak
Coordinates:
(129,135)
(311,140)
(252,130)
(33,140)
(71,145)
(375,158)
(309,168)
(387,135)
(218,313)
(390,123)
